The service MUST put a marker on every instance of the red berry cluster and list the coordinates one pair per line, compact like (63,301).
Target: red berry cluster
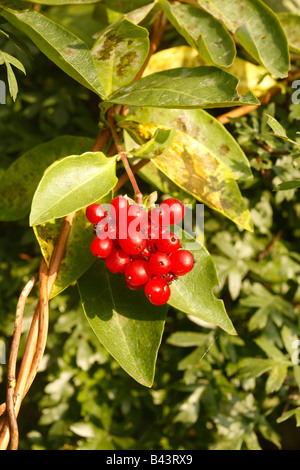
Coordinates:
(140,245)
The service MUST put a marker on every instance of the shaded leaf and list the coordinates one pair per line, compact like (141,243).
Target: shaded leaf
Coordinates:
(159,144)
(124,321)
(203,32)
(21,179)
(63,2)
(291,25)
(61,46)
(193,293)
(119,53)
(257,29)
(72,183)
(197,87)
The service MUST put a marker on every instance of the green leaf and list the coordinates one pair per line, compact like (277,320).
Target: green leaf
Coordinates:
(187,339)
(203,127)
(9,60)
(193,293)
(291,25)
(21,179)
(279,131)
(257,29)
(202,32)
(288,414)
(77,258)
(62,47)
(159,144)
(124,321)
(290,6)
(64,2)
(119,53)
(287,186)
(193,167)
(72,183)
(196,87)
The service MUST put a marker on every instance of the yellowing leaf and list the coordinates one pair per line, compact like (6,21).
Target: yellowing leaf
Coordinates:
(195,169)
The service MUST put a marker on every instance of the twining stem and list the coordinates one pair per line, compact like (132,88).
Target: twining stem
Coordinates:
(123,157)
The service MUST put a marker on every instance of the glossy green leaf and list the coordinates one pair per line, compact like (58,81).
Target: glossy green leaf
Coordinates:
(193,167)
(196,87)
(279,131)
(71,184)
(9,60)
(119,53)
(291,25)
(203,32)
(159,144)
(193,293)
(77,258)
(287,186)
(21,179)
(203,127)
(124,321)
(61,46)
(14,5)
(64,2)
(257,29)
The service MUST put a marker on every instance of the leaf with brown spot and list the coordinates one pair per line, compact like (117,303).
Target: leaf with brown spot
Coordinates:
(119,53)
(192,166)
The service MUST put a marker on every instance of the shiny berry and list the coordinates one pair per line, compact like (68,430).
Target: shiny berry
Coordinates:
(174,208)
(95,213)
(160,263)
(168,243)
(157,291)
(159,216)
(182,262)
(119,208)
(138,272)
(101,247)
(117,261)
(134,243)
(137,217)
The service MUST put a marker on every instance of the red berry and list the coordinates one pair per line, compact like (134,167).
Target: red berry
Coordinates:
(146,253)
(134,243)
(138,272)
(107,228)
(168,243)
(137,217)
(159,216)
(157,291)
(182,262)
(119,207)
(174,208)
(117,261)
(101,247)
(95,213)
(160,263)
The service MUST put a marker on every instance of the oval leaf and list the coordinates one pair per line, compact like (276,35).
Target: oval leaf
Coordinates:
(61,46)
(119,53)
(203,127)
(203,32)
(291,25)
(193,293)
(197,87)
(158,145)
(124,321)
(257,29)
(192,166)
(21,179)
(71,184)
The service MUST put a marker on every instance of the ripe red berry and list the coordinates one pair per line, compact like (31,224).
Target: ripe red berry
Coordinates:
(138,272)
(101,247)
(119,208)
(95,213)
(157,291)
(160,263)
(134,243)
(137,217)
(159,217)
(182,262)
(168,243)
(117,261)
(107,228)
(174,208)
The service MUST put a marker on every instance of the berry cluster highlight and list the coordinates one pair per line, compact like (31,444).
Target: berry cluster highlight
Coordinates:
(140,244)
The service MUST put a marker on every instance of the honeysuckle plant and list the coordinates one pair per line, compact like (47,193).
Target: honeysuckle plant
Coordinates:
(163,75)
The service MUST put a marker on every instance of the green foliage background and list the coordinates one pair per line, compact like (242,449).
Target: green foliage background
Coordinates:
(211,390)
